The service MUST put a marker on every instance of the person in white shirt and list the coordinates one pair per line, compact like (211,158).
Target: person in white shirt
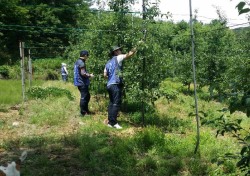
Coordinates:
(113,72)
(64,72)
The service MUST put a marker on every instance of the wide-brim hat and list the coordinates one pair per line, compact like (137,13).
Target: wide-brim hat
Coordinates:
(114,48)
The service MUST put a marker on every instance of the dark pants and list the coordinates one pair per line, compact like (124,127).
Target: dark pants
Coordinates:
(65,78)
(115,97)
(85,97)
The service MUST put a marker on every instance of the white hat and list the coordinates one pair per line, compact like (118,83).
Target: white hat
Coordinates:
(63,64)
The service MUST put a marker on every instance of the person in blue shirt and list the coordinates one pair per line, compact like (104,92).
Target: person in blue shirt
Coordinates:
(113,72)
(82,81)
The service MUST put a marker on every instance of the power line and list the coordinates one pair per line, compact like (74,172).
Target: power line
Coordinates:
(32,29)
(186,15)
(6,27)
(225,27)
(212,30)
(111,11)
(38,47)
(161,15)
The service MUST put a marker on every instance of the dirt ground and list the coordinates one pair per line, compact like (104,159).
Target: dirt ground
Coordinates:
(14,126)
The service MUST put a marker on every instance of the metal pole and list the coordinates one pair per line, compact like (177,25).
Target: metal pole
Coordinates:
(132,19)
(143,67)
(174,60)
(30,70)
(194,79)
(21,48)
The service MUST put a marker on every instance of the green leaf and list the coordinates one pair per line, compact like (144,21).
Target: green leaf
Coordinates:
(203,113)
(217,133)
(244,11)
(247,100)
(230,155)
(247,139)
(241,162)
(223,110)
(243,150)
(233,128)
(239,121)
(204,122)
(191,114)
(240,5)
(214,160)
(222,132)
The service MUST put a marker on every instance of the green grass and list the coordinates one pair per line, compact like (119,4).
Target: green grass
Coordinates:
(11,91)
(56,136)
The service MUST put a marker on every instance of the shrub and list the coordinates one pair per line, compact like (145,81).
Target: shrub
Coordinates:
(4,71)
(52,75)
(170,89)
(149,138)
(43,93)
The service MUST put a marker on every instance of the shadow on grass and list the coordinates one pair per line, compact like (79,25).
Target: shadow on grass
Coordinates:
(98,153)
(152,118)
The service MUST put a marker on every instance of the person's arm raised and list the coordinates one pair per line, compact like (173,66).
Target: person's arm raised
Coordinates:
(133,50)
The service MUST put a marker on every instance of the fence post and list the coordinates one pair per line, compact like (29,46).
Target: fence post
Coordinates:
(21,49)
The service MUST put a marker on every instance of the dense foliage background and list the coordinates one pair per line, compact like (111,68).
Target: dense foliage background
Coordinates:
(61,29)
